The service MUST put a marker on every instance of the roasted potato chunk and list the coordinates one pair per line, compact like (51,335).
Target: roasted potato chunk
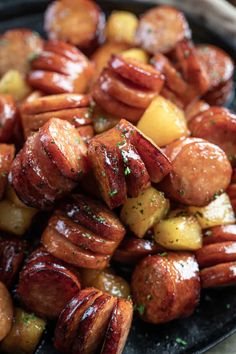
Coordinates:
(121,27)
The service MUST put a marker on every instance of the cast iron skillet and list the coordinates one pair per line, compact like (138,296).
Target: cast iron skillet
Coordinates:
(215,318)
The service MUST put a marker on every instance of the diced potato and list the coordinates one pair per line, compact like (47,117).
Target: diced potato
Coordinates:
(11,195)
(163,122)
(105,280)
(137,54)
(14,84)
(121,27)
(141,213)
(179,233)
(25,334)
(218,212)
(14,219)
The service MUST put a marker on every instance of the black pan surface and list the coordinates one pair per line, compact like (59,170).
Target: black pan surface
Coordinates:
(215,317)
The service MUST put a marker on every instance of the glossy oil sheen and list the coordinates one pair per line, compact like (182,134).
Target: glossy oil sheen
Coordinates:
(215,318)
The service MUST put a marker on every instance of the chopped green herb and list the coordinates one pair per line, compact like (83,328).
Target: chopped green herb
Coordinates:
(181,341)
(125,159)
(33,56)
(141,211)
(52,142)
(103,173)
(87,235)
(228,306)
(181,192)
(198,213)
(186,54)
(140,309)
(121,143)
(213,122)
(99,219)
(27,317)
(163,254)
(127,171)
(113,192)
(3,174)
(77,140)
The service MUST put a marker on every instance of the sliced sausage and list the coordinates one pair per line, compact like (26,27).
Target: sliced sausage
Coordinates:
(94,216)
(171,96)
(138,73)
(11,257)
(6,157)
(80,23)
(156,162)
(216,253)
(86,133)
(161,28)
(45,287)
(6,312)
(221,95)
(18,48)
(67,324)
(8,116)
(166,287)
(53,71)
(125,91)
(219,275)
(195,108)
(218,234)
(64,145)
(133,249)
(118,328)
(112,105)
(199,171)
(218,64)
(218,126)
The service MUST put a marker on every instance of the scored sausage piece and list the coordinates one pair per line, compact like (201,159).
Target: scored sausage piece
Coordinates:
(6,157)
(133,249)
(218,234)
(216,253)
(167,287)
(218,126)
(18,48)
(6,312)
(218,275)
(138,73)
(64,145)
(217,63)
(46,285)
(79,22)
(156,162)
(199,171)
(11,257)
(195,108)
(8,117)
(161,28)
(125,91)
(94,216)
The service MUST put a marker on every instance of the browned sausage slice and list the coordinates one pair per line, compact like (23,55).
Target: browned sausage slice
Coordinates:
(161,28)
(46,287)
(11,257)
(138,73)
(218,275)
(218,234)
(79,22)
(8,116)
(6,157)
(216,253)
(193,179)
(167,287)
(6,312)
(69,319)
(118,328)
(218,126)
(67,150)
(18,48)
(195,108)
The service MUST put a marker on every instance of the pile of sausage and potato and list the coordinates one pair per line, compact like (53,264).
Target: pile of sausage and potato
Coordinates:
(114,130)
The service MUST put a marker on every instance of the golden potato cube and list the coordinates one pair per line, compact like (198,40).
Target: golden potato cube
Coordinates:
(121,27)
(15,219)
(137,54)
(141,213)
(179,233)
(218,212)
(25,334)
(163,122)
(13,83)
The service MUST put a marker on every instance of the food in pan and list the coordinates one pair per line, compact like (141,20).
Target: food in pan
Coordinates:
(116,152)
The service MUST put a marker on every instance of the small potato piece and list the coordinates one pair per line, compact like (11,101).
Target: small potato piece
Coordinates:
(6,311)
(179,233)
(14,219)
(218,212)
(163,122)
(141,213)
(121,27)
(137,54)
(13,83)
(25,334)
(105,280)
